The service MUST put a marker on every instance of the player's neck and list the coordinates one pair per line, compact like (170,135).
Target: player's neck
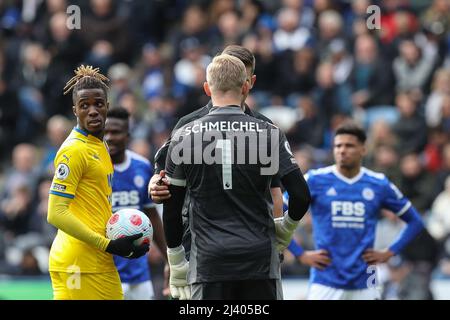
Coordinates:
(349,172)
(225,100)
(99,135)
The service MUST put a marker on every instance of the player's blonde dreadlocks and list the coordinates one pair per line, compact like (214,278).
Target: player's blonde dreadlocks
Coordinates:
(86,77)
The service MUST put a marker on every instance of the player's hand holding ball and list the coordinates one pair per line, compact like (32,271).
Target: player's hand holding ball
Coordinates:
(130,232)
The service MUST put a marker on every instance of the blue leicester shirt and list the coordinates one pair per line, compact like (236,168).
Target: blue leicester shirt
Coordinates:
(130,183)
(344,216)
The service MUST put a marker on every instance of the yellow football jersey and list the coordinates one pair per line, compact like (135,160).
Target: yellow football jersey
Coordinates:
(83,173)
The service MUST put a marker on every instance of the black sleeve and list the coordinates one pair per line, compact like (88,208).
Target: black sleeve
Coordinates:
(161,154)
(299,196)
(160,157)
(172,218)
(287,161)
(276,183)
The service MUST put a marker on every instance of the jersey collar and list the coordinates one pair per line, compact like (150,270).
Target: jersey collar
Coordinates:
(121,167)
(86,134)
(231,109)
(344,178)
(247,110)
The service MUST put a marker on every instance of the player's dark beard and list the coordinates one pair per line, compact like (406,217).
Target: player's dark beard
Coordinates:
(118,157)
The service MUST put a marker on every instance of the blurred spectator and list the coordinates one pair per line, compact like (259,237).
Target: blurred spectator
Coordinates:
(105,34)
(410,128)
(58,128)
(192,65)
(330,28)
(29,265)
(415,182)
(396,22)
(306,13)
(444,263)
(9,113)
(129,101)
(342,61)
(289,34)
(66,50)
(227,31)
(380,134)
(193,25)
(251,11)
(445,113)
(407,281)
(330,98)
(266,66)
(439,218)
(444,171)
(437,138)
(151,70)
(309,129)
(30,82)
(16,211)
(296,74)
(372,84)
(440,88)
(385,160)
(121,82)
(23,171)
(412,70)
(437,17)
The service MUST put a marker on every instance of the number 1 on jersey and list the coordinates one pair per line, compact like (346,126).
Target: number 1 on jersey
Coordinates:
(227,178)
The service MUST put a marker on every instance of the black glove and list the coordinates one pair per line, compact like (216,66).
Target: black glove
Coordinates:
(125,247)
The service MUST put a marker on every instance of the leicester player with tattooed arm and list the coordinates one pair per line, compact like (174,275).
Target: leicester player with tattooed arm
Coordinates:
(221,159)
(81,263)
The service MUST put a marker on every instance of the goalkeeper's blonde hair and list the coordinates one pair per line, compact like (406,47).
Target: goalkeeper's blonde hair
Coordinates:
(226,73)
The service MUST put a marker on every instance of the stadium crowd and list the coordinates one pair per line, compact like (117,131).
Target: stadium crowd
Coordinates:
(317,64)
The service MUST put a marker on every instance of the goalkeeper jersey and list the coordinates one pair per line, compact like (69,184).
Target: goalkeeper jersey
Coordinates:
(83,173)
(233,233)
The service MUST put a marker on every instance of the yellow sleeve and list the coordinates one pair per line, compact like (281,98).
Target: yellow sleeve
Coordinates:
(60,216)
(70,163)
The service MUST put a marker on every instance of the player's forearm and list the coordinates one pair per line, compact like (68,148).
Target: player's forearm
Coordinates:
(299,195)
(62,218)
(158,231)
(173,221)
(277,199)
(295,248)
(414,227)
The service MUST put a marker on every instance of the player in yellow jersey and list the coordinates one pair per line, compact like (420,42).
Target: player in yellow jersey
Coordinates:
(81,263)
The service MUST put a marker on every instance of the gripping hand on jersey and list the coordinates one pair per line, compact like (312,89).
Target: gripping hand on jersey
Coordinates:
(179,266)
(284,229)
(125,247)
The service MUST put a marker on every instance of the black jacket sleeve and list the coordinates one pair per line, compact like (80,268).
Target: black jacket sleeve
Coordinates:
(299,195)
(172,218)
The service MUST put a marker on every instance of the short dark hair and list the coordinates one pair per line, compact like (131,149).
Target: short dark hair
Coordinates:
(243,54)
(118,113)
(352,129)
